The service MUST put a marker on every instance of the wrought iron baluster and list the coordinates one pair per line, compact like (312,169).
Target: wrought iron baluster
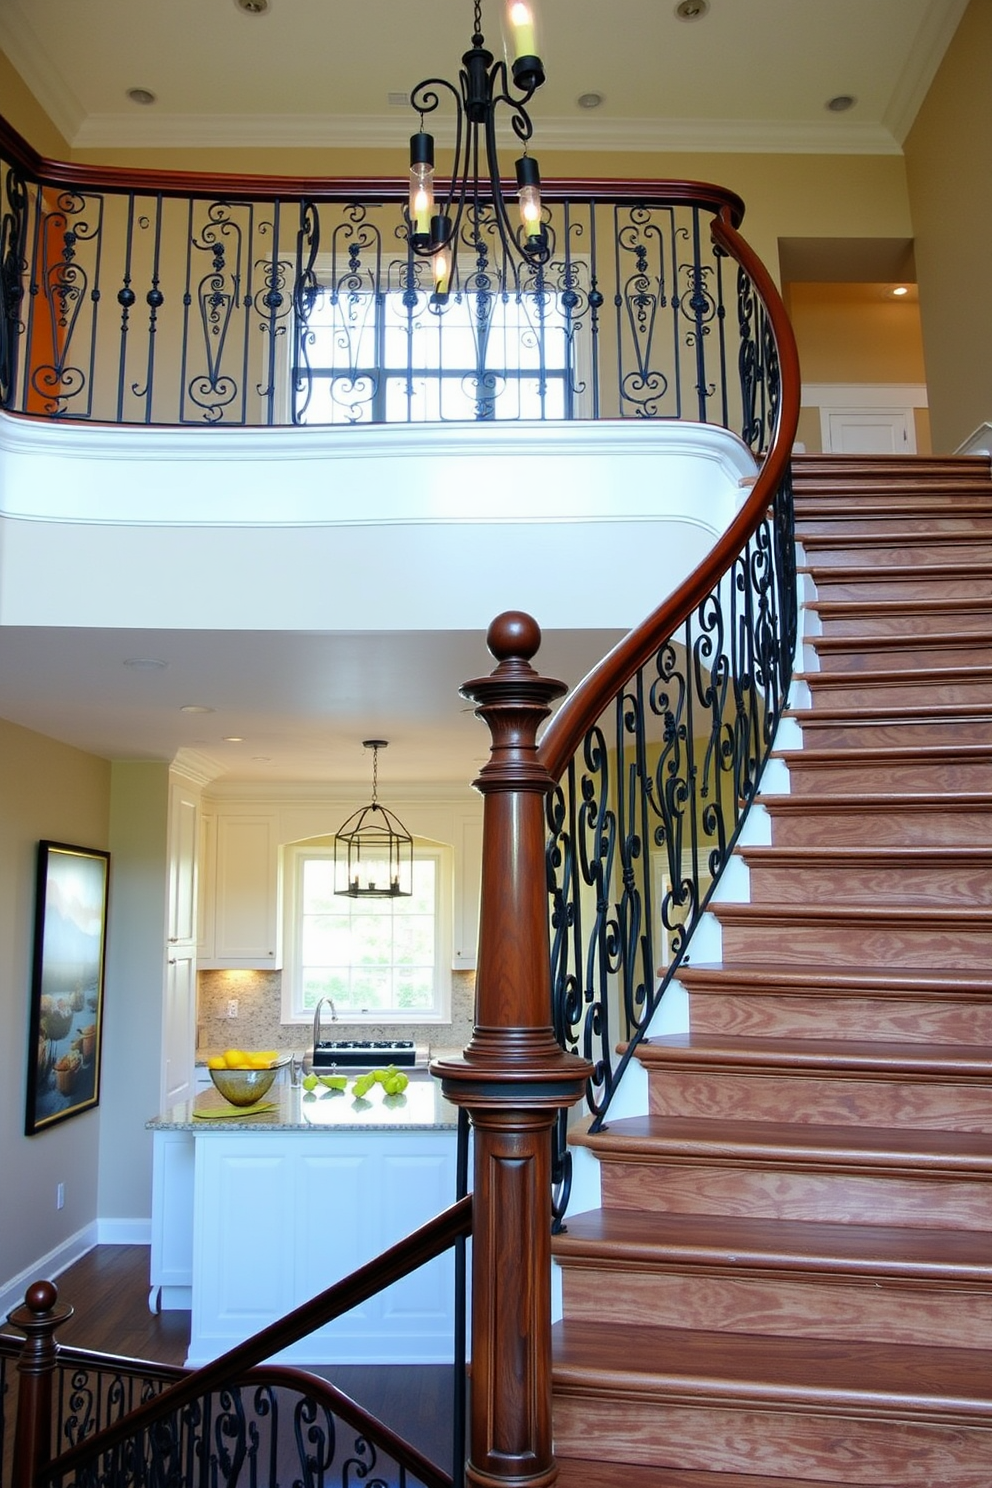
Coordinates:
(13,264)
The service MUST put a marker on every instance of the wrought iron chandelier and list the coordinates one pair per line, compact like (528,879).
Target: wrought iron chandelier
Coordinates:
(475,205)
(373,851)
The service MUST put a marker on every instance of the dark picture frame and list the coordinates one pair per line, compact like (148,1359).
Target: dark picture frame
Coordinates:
(66,1016)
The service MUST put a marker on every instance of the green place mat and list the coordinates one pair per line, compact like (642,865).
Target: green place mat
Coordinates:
(226,1113)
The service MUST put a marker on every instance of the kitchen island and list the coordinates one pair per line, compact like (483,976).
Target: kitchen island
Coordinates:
(254,1211)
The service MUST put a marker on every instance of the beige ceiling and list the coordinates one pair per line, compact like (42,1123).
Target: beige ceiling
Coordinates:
(753,74)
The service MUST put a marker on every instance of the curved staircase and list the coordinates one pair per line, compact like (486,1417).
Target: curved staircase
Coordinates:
(790,1280)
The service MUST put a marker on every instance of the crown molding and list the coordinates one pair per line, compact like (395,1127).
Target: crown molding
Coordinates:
(831,136)
(931,42)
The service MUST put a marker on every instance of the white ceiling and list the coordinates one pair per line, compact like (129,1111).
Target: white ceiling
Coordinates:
(752,74)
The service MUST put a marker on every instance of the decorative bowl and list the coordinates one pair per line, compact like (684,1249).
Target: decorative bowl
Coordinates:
(243,1087)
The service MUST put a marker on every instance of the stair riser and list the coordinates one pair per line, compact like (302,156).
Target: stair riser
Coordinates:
(909,623)
(922,522)
(845,778)
(882,1311)
(922,692)
(732,1095)
(913,655)
(847,1017)
(871,585)
(914,944)
(800,1444)
(814,884)
(869,827)
(778,1192)
(822,553)
(882,735)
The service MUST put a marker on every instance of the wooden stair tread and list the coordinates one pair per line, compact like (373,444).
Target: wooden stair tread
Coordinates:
(577,1472)
(832,1056)
(762,912)
(628,1237)
(683,1139)
(678,1364)
(977,570)
(900,713)
(890,801)
(889,754)
(935,983)
(881,676)
(880,857)
(814,542)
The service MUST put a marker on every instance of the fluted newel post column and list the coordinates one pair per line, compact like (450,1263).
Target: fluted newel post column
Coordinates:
(513,1079)
(37,1319)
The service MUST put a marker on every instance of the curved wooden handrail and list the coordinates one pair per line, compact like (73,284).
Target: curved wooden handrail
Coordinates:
(430,1240)
(73,175)
(583,706)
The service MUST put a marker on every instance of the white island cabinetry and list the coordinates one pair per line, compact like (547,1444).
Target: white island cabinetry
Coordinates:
(277,1207)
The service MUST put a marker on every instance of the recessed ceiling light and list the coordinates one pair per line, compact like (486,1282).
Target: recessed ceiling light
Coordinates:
(841,103)
(233,739)
(589,100)
(899,291)
(692,10)
(146,663)
(262,759)
(195,708)
(252,7)
(141,95)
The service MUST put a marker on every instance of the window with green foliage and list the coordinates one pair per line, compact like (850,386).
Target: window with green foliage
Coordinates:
(379,960)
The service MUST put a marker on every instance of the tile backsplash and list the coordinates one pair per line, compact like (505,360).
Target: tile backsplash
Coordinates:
(258,1025)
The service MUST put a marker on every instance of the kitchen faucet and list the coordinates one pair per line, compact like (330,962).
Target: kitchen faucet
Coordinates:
(316,1019)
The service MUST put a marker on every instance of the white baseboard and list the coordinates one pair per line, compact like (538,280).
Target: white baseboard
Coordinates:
(47,1267)
(124,1232)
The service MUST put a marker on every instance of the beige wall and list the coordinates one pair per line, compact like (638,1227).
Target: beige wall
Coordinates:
(55,793)
(949,161)
(20,108)
(856,333)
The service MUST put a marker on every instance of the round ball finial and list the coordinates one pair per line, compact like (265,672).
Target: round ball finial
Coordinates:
(514,634)
(41,1296)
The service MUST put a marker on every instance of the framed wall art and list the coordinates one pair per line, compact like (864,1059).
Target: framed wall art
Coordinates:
(66,1021)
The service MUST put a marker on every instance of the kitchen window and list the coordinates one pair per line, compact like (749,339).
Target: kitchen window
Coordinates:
(379,960)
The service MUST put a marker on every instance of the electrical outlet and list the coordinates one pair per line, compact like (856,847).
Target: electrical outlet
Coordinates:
(232,1007)
(60,1195)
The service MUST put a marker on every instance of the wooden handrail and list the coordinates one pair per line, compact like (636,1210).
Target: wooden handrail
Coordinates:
(583,706)
(237,187)
(407,1255)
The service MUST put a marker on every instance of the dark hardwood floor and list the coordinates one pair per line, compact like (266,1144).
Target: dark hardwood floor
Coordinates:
(108,1289)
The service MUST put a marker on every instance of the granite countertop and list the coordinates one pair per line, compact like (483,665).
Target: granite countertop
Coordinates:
(288,1108)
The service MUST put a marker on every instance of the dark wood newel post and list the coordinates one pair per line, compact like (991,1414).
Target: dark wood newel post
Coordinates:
(513,1079)
(38,1319)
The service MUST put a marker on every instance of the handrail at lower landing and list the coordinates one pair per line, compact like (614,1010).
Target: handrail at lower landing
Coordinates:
(430,1240)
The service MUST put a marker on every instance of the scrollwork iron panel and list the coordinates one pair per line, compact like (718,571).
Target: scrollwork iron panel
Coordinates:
(646,814)
(268,1429)
(154,308)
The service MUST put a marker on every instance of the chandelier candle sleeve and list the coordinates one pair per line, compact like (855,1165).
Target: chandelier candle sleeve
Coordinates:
(529,184)
(522,33)
(421,183)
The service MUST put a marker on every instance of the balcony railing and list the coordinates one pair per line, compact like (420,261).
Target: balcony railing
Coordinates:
(174,299)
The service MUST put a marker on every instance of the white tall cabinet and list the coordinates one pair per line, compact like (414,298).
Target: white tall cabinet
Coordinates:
(179,997)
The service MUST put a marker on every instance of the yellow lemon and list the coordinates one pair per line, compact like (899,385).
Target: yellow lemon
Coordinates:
(235,1058)
(216,1061)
